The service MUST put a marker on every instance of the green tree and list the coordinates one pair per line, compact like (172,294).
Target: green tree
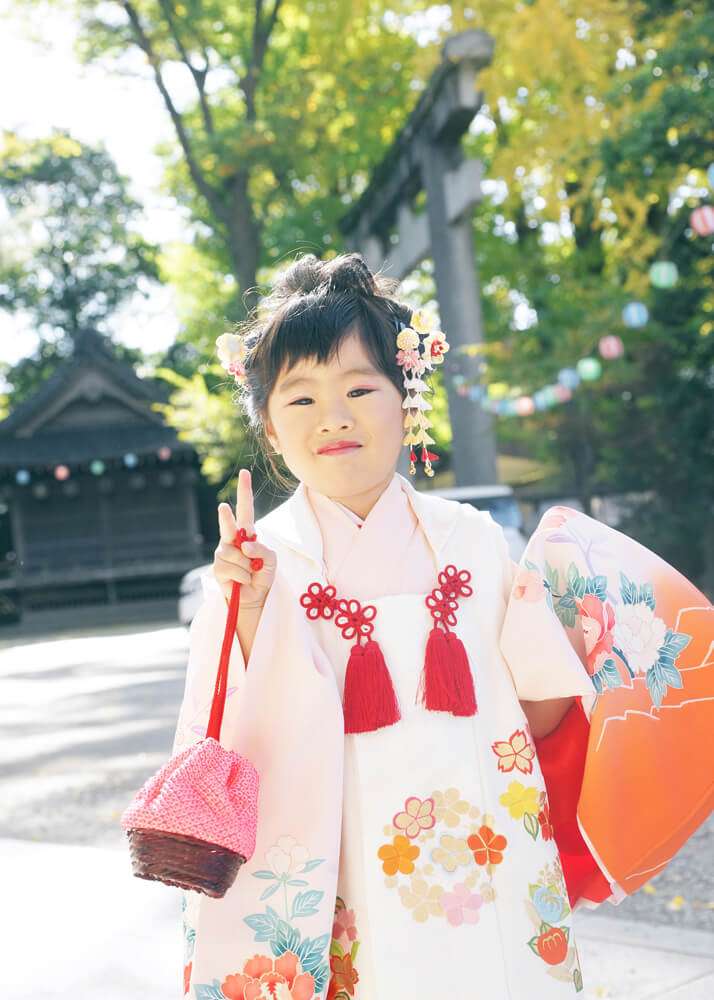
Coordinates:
(70,253)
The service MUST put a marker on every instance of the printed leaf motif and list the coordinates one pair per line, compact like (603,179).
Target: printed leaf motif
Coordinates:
(610,674)
(566,611)
(269,891)
(530,822)
(578,980)
(206,992)
(310,952)
(551,575)
(576,582)
(656,686)
(311,865)
(264,924)
(298,881)
(597,585)
(597,681)
(628,590)
(668,673)
(263,874)
(305,903)
(286,938)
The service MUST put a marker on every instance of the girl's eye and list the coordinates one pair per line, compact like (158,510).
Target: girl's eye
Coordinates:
(306,399)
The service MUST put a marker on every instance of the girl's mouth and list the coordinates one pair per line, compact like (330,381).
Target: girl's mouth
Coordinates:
(341,450)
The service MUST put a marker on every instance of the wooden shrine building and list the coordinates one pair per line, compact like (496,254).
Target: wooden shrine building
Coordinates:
(98,496)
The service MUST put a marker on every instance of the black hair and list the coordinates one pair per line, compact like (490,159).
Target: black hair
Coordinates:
(312,306)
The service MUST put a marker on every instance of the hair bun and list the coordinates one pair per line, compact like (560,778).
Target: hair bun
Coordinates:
(349,273)
(303,276)
(345,273)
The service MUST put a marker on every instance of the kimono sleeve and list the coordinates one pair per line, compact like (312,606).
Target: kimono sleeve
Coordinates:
(283,713)
(595,615)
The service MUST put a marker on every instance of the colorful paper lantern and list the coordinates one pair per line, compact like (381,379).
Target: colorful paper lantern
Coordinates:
(476,392)
(497,390)
(702,220)
(96,467)
(130,460)
(462,390)
(61,472)
(569,378)
(22,477)
(664,274)
(524,406)
(562,393)
(164,453)
(635,314)
(611,347)
(589,369)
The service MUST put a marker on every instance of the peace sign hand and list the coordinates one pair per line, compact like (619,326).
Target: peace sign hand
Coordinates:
(240,562)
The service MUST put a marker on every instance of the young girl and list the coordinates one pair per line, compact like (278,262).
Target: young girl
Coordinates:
(393,675)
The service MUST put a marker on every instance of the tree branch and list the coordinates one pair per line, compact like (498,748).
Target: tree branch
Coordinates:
(199,75)
(261,37)
(143,41)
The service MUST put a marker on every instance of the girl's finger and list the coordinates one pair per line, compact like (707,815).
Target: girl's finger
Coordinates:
(229,571)
(244,501)
(226,523)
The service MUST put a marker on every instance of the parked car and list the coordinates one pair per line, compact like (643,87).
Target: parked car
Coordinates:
(498,500)
(501,503)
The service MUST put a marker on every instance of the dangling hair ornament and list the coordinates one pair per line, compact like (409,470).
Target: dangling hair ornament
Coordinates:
(420,349)
(232,351)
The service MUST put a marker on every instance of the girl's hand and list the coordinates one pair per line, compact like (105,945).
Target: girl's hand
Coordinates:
(233,564)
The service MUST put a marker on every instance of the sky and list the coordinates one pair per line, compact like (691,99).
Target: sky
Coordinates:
(49,89)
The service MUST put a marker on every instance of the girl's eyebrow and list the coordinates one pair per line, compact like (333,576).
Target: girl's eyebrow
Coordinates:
(298,379)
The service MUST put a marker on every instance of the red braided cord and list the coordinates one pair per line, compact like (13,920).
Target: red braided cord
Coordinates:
(219,693)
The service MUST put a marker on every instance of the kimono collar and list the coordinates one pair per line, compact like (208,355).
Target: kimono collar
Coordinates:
(295,524)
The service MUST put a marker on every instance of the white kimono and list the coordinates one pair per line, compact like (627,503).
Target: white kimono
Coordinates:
(411,862)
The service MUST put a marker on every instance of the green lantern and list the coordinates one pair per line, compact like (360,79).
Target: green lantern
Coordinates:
(664,274)
(589,369)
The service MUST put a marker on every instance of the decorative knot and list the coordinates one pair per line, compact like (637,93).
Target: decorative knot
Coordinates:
(443,600)
(319,601)
(354,620)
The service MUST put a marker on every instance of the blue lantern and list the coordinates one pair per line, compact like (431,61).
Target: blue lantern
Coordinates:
(569,378)
(130,460)
(635,314)
(22,477)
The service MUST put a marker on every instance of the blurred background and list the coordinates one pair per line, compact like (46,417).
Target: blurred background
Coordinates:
(540,176)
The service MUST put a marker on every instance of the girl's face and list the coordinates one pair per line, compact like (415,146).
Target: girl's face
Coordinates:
(346,399)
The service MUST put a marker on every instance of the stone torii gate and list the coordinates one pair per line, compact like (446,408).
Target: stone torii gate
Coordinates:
(385,229)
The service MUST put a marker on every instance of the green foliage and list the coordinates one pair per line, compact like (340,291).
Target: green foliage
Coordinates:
(70,254)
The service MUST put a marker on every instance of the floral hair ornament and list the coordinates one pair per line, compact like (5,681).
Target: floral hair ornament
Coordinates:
(421,348)
(232,351)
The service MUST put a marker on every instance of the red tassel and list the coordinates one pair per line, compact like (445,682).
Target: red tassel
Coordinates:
(447,684)
(369,700)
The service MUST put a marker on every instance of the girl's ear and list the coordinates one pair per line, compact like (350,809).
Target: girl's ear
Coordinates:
(271,436)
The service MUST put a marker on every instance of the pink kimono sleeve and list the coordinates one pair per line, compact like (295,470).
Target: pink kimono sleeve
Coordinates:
(285,716)
(595,615)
